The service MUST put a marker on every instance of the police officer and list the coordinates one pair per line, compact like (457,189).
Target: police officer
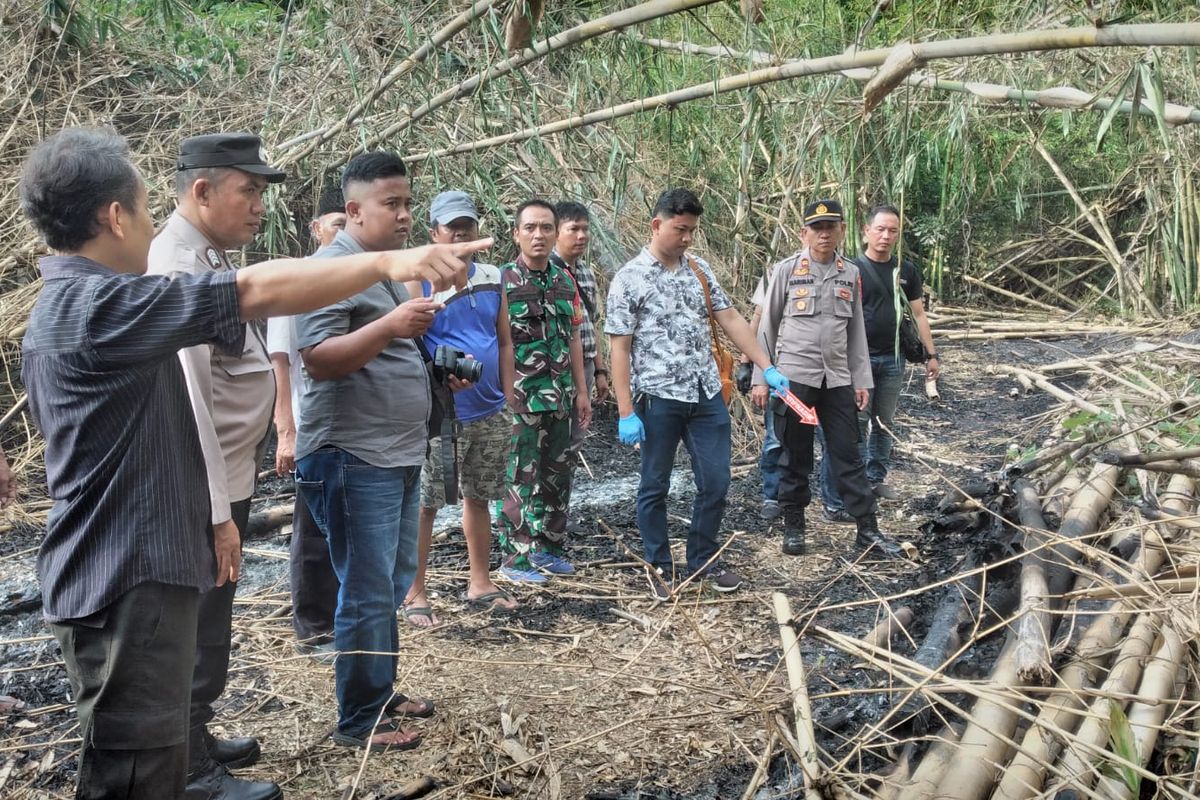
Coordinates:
(812,326)
(219,182)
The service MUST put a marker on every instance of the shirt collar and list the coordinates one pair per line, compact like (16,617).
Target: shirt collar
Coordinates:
(348,241)
(653,261)
(71,266)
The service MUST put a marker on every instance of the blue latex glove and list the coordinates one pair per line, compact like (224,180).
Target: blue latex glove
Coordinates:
(776,379)
(630,430)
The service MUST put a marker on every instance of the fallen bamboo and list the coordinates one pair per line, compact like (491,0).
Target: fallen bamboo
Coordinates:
(1167,586)
(1076,764)
(984,746)
(1141,459)
(1169,34)
(1048,387)
(268,520)
(933,765)
(1033,621)
(1081,520)
(1145,717)
(806,738)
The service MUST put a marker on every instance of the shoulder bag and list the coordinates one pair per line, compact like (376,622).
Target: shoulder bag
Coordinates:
(722,356)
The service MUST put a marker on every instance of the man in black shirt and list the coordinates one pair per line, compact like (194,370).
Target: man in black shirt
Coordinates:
(129,546)
(880,313)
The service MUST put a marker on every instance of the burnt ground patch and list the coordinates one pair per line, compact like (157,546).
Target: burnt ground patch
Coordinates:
(664,702)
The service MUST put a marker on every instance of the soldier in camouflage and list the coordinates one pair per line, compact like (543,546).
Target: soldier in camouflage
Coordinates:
(545,314)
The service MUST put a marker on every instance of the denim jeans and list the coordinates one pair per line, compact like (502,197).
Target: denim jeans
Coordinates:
(703,427)
(768,464)
(876,445)
(369,515)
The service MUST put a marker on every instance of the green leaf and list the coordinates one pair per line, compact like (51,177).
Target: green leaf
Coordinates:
(1120,734)
(1115,108)
(1078,420)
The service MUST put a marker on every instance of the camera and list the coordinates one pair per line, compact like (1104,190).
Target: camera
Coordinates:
(448,361)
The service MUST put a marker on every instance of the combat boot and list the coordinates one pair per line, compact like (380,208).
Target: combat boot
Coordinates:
(869,536)
(793,533)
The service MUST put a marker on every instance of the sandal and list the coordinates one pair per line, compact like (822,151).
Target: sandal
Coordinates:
(394,707)
(408,612)
(387,735)
(489,602)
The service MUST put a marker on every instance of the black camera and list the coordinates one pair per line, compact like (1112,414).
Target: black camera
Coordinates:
(448,361)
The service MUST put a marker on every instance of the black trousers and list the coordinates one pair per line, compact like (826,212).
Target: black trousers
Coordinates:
(131,681)
(214,626)
(314,583)
(839,420)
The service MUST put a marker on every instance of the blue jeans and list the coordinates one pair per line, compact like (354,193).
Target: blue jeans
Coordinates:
(703,427)
(876,446)
(369,514)
(768,464)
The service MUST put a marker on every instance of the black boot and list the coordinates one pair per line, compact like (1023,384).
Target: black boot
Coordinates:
(869,536)
(233,753)
(211,781)
(793,533)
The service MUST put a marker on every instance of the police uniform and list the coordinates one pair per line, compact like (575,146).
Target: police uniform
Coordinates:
(812,327)
(232,398)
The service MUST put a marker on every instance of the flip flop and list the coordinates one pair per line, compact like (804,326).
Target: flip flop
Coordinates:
(393,706)
(364,742)
(489,602)
(408,612)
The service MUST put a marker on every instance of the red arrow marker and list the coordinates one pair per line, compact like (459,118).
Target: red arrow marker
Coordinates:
(807,414)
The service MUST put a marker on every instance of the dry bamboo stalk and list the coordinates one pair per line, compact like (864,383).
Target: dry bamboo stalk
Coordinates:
(1168,34)
(1168,586)
(1058,496)
(928,774)
(805,737)
(892,624)
(1140,458)
(1033,622)
(1048,387)
(1081,519)
(984,746)
(1137,349)
(572,36)
(1076,764)
(435,41)
(1146,718)
(1020,298)
(1023,778)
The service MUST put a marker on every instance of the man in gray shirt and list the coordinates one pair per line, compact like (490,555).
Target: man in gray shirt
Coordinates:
(360,451)
(812,324)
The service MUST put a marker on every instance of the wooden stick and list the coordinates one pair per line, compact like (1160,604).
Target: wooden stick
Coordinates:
(805,737)
(1140,458)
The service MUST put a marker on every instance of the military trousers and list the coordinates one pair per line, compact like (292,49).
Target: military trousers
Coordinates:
(534,514)
(839,421)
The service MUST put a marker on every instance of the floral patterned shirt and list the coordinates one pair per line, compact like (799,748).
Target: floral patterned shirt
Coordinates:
(664,310)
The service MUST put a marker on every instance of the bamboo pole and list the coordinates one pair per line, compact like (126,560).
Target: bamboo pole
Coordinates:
(1024,777)
(810,765)
(1146,716)
(1033,621)
(315,139)
(893,623)
(1162,34)
(572,36)
(984,746)
(1049,97)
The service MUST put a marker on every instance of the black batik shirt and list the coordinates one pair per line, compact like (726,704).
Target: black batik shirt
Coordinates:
(123,460)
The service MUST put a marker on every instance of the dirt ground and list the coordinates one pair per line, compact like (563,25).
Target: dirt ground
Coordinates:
(589,690)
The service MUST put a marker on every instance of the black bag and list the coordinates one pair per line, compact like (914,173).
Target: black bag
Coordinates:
(911,346)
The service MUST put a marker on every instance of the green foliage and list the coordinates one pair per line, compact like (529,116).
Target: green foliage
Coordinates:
(1120,735)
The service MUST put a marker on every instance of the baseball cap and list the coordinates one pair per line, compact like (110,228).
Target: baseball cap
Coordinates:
(449,206)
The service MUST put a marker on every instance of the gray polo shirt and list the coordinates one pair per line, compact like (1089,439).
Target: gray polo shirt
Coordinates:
(378,413)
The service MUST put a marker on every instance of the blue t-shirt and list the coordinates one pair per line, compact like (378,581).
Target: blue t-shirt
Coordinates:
(468,323)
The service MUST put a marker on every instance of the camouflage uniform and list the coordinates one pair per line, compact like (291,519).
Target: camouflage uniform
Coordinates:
(543,310)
